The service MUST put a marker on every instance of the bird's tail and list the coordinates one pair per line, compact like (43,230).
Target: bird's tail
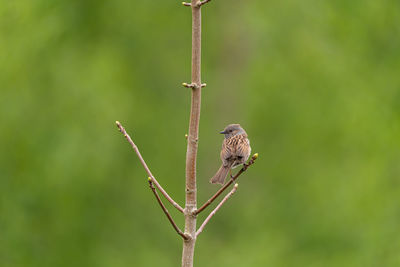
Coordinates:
(219,177)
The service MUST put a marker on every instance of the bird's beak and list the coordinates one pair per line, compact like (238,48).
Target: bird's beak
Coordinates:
(223,132)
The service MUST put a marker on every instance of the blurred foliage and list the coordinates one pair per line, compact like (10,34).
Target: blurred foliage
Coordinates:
(316,85)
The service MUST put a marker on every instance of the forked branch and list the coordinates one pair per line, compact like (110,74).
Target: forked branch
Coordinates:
(122,130)
(165,210)
(222,189)
(216,209)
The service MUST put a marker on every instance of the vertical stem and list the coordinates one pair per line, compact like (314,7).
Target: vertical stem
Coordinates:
(191,153)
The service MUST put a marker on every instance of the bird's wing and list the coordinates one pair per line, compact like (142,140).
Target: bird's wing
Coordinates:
(226,152)
(243,148)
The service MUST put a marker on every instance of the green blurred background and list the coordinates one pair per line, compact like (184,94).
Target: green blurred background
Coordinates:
(316,85)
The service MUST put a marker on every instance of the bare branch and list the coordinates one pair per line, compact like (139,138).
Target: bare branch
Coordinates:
(165,210)
(216,209)
(122,130)
(193,137)
(222,189)
(198,4)
(203,2)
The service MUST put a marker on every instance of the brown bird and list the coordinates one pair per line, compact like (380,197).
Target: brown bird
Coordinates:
(235,151)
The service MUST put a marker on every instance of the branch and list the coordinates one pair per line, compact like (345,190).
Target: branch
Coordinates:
(216,209)
(222,189)
(198,4)
(165,210)
(193,137)
(203,2)
(122,130)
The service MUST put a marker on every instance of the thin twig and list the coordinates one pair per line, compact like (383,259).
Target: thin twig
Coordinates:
(216,209)
(122,130)
(165,210)
(203,2)
(222,189)
(199,3)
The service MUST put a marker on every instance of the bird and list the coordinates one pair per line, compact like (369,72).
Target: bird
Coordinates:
(235,151)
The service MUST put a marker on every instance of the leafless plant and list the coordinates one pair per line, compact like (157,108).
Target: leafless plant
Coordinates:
(190,234)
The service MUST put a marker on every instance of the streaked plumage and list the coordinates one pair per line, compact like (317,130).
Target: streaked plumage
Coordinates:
(235,151)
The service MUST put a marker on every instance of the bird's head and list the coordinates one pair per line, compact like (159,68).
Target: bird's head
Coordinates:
(232,129)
